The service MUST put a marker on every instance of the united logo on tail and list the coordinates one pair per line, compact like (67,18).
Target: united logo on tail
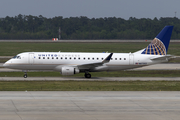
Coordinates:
(159,45)
(156,47)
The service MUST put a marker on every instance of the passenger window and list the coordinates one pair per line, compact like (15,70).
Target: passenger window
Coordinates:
(119,58)
(79,58)
(74,58)
(52,57)
(88,58)
(47,57)
(124,58)
(39,57)
(97,58)
(56,57)
(93,58)
(111,58)
(61,57)
(115,58)
(65,57)
(70,58)
(84,58)
(43,57)
(102,58)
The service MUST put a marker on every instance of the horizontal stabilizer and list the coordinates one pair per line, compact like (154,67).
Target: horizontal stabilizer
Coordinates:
(162,57)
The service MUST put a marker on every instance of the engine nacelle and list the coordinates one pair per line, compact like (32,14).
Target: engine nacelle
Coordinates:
(69,70)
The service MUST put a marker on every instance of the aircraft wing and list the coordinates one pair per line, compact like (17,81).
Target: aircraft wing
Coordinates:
(93,65)
(162,57)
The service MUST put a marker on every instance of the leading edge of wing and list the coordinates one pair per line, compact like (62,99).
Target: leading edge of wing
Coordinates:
(92,65)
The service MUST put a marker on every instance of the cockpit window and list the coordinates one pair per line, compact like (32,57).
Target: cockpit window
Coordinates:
(16,57)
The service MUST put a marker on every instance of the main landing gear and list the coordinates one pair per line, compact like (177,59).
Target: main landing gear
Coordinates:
(87,75)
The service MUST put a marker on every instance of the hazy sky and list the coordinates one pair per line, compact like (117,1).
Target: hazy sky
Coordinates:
(91,8)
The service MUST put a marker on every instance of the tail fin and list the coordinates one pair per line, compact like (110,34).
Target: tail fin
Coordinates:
(159,46)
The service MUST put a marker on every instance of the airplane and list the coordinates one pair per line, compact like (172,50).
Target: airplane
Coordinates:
(70,63)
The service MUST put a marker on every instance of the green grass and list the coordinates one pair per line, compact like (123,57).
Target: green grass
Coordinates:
(93,85)
(3,60)
(11,49)
(148,73)
(89,86)
(174,60)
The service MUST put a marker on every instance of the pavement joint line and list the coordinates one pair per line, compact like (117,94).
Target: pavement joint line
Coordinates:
(14,105)
(16,110)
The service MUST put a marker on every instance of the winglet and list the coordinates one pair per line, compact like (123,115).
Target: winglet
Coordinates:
(108,58)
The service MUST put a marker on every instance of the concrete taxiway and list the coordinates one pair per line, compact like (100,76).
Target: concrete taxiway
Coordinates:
(64,105)
(91,79)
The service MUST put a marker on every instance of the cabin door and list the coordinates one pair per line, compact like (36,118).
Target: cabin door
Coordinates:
(31,58)
(131,59)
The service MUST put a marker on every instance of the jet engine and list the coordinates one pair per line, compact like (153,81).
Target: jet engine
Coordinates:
(69,70)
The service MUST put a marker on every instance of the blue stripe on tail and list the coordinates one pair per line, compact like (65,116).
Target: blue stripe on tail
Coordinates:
(160,44)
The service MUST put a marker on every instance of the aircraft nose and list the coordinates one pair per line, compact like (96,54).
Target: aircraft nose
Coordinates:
(6,64)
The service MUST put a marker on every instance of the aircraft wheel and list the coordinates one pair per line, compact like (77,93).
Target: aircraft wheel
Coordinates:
(25,75)
(87,75)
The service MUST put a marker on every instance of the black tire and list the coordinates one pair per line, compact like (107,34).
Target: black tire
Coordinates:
(87,75)
(25,75)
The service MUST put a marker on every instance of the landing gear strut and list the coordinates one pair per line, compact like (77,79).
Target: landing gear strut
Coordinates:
(25,75)
(87,75)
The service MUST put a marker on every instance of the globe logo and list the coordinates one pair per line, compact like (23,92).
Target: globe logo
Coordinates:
(156,47)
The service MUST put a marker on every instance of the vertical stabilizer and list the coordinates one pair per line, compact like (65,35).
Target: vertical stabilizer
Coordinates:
(160,44)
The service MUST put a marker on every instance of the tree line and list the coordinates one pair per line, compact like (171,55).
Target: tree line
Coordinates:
(39,27)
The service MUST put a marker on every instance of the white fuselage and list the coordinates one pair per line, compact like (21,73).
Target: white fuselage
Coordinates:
(56,60)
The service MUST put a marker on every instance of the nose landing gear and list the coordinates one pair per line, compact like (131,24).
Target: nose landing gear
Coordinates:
(25,75)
